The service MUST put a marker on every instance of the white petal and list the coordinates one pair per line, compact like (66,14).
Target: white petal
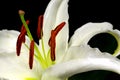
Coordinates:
(83,34)
(92,60)
(8,41)
(83,51)
(83,65)
(13,67)
(56,12)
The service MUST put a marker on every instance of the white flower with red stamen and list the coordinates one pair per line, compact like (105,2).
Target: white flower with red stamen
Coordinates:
(54,58)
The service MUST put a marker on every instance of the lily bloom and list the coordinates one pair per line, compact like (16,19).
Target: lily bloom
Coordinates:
(54,58)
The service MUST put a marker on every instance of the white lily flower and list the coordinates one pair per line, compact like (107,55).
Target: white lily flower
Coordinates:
(54,58)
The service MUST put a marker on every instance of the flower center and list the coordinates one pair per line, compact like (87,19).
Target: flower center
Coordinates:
(44,60)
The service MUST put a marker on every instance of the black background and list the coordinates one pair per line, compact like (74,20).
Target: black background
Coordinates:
(80,12)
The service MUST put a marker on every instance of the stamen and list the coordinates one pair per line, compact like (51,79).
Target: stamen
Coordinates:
(31,55)
(52,45)
(39,28)
(52,42)
(19,43)
(21,38)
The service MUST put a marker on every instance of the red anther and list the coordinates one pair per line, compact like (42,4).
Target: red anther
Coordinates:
(19,44)
(23,33)
(40,25)
(52,42)
(59,27)
(21,38)
(31,54)
(52,45)
(23,28)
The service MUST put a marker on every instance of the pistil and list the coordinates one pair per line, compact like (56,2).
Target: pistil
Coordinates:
(22,13)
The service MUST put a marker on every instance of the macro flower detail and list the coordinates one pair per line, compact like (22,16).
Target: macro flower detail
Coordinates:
(54,58)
